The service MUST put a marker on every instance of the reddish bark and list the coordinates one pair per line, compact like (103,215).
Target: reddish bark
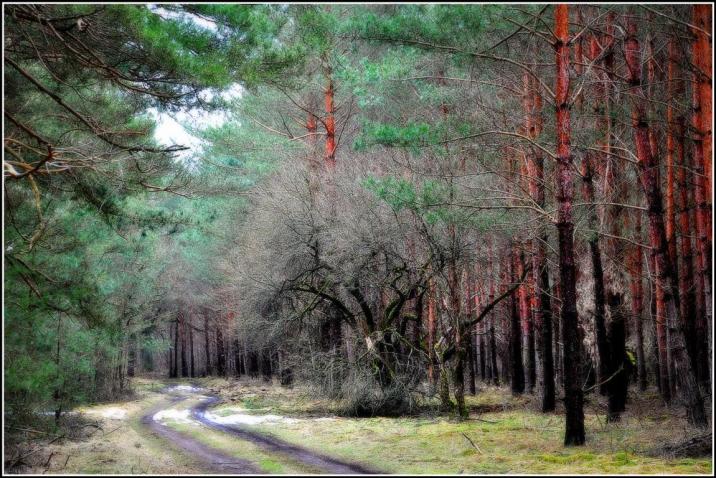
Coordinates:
(671,147)
(637,302)
(526,325)
(492,342)
(702,257)
(687,292)
(531,345)
(703,131)
(542,306)
(661,338)
(573,394)
(330,122)
(667,286)
(517,372)
(702,19)
(579,58)
(661,317)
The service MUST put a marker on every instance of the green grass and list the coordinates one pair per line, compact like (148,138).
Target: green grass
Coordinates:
(509,437)
(245,450)
(515,439)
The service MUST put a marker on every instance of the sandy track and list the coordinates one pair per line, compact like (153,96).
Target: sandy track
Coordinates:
(218,462)
(213,460)
(274,445)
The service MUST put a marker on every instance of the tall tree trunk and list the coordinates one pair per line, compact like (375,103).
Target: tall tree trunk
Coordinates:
(313,158)
(542,305)
(131,355)
(702,258)
(330,121)
(208,370)
(459,378)
(483,352)
(618,361)
(664,320)
(471,310)
(57,392)
(220,355)
(544,319)
(597,276)
(175,371)
(557,334)
(528,348)
(671,149)
(471,365)
(456,312)
(573,395)
(493,353)
(432,330)
(493,343)
(182,334)
(680,206)
(253,364)
(637,302)
(238,356)
(266,370)
(667,281)
(615,280)
(191,351)
(517,372)
(702,19)
(652,312)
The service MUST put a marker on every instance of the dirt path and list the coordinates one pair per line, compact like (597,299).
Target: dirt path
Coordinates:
(218,462)
(274,445)
(213,460)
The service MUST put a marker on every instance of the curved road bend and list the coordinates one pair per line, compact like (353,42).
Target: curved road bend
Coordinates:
(213,460)
(275,445)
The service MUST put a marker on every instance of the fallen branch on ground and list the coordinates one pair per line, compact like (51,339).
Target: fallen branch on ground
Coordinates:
(472,443)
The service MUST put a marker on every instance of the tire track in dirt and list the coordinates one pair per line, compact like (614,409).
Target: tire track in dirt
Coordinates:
(214,461)
(275,445)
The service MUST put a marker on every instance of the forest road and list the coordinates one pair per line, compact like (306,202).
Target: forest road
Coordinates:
(218,462)
(212,460)
(325,463)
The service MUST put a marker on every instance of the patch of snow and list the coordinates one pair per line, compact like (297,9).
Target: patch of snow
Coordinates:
(181,416)
(245,419)
(185,388)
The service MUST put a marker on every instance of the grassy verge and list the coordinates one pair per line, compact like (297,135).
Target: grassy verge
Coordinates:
(503,435)
(121,446)
(232,446)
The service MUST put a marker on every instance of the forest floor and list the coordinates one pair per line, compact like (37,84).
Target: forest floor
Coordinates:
(251,426)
